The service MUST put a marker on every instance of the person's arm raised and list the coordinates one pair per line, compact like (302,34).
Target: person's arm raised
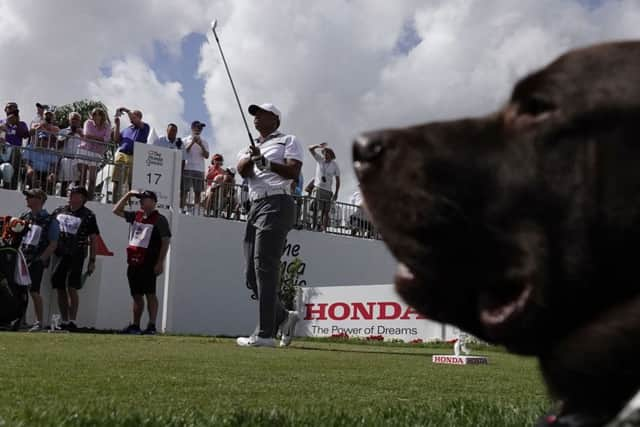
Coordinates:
(119,207)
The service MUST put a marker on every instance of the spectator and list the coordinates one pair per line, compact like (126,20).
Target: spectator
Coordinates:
(15,132)
(149,238)
(326,169)
(40,164)
(38,246)
(171,140)
(358,221)
(269,167)
(309,188)
(309,206)
(11,108)
(297,186)
(37,119)
(215,178)
(78,231)
(137,131)
(47,131)
(6,169)
(196,151)
(226,189)
(296,190)
(69,140)
(216,168)
(97,133)
(40,109)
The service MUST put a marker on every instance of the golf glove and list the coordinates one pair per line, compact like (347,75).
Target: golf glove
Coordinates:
(261,163)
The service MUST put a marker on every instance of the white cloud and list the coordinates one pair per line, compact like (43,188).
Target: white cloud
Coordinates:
(332,66)
(54,51)
(132,84)
(332,69)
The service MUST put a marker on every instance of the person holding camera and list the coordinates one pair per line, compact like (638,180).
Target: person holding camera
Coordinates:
(137,131)
(37,119)
(149,238)
(47,131)
(96,132)
(326,169)
(196,151)
(269,167)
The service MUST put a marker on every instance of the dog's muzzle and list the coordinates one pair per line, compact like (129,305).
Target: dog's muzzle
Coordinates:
(368,149)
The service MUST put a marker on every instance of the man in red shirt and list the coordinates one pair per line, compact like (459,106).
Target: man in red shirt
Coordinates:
(149,239)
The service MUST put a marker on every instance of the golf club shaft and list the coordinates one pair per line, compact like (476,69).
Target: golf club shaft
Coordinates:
(233,86)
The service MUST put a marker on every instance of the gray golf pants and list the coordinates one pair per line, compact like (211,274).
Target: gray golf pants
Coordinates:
(268,224)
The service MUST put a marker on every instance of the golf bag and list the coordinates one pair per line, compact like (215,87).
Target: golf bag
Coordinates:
(14,272)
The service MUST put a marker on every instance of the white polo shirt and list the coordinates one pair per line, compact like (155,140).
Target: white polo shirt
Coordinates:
(276,148)
(325,169)
(193,160)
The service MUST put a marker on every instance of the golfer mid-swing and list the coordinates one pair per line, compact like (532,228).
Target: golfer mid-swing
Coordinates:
(269,167)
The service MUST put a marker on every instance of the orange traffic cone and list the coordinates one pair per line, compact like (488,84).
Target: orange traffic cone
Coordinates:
(101,247)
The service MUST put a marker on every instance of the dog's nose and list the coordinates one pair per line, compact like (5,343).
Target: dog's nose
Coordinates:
(367,148)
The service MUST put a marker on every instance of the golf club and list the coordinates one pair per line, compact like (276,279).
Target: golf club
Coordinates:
(214,24)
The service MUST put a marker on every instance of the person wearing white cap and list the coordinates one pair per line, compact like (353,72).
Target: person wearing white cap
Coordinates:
(269,167)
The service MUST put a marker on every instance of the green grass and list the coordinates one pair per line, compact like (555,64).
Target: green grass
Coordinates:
(110,380)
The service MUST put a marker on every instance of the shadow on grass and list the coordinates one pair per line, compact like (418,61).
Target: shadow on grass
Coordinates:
(457,413)
(354,349)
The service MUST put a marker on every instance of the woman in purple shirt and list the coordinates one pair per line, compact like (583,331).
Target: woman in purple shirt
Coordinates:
(15,131)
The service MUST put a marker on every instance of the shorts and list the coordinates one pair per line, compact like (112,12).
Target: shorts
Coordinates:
(192,179)
(68,272)
(123,163)
(36,270)
(322,199)
(142,280)
(68,170)
(89,158)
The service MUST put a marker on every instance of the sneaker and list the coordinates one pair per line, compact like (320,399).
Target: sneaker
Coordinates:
(288,328)
(255,341)
(151,330)
(36,327)
(131,330)
(71,326)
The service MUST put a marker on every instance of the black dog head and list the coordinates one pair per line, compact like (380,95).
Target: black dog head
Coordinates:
(522,226)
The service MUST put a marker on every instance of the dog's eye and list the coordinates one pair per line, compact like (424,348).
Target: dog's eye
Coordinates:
(535,106)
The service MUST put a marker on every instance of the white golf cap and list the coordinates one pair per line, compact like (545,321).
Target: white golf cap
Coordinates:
(253,108)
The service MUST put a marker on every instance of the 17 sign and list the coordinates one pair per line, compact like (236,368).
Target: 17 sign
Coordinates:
(154,178)
(155,168)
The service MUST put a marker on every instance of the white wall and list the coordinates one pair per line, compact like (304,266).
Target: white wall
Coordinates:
(207,294)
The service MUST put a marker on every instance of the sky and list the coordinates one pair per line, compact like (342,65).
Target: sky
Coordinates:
(333,67)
